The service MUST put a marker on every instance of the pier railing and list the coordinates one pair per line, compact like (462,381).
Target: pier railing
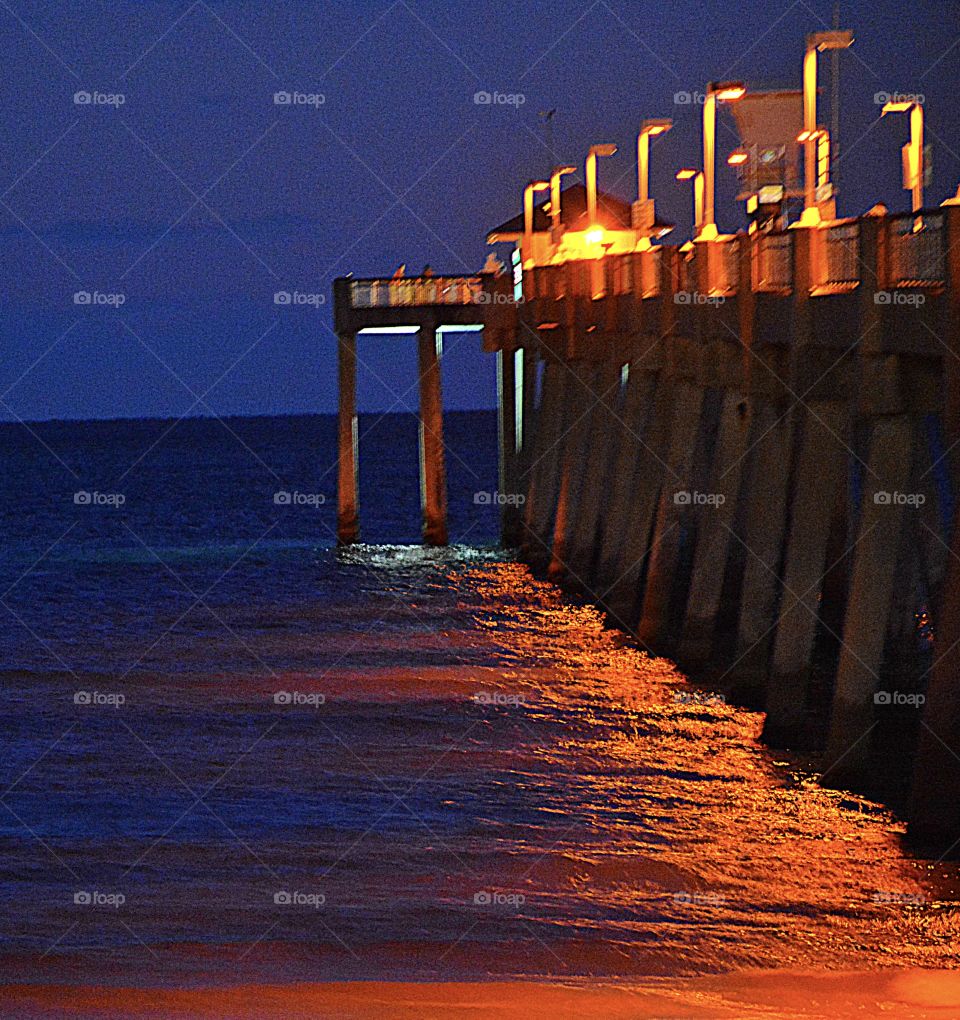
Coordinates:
(915,257)
(650,273)
(725,270)
(839,265)
(772,267)
(916,251)
(400,292)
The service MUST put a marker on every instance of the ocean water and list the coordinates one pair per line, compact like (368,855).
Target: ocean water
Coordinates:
(233,752)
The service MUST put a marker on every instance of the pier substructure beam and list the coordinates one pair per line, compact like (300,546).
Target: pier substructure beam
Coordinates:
(348,520)
(433,474)
(510,430)
(871,595)
(627,535)
(627,436)
(604,439)
(665,547)
(715,531)
(583,383)
(765,524)
(935,799)
(527,363)
(544,465)
(819,491)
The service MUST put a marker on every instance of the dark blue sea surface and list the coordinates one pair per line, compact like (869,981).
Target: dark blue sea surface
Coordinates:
(233,751)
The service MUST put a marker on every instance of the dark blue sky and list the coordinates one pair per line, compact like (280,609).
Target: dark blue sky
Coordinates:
(198,198)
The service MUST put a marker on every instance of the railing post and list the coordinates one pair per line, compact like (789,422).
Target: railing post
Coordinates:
(348,529)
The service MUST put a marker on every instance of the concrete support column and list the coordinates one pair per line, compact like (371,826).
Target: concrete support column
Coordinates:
(818,492)
(665,547)
(433,474)
(527,397)
(605,428)
(509,477)
(631,542)
(764,537)
(626,440)
(715,531)
(581,387)
(871,595)
(935,798)
(348,521)
(543,467)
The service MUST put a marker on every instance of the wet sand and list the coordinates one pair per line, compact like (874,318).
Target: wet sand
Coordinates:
(758,995)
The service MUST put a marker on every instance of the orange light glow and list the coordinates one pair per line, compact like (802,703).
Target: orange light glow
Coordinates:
(656,127)
(731,94)
(594,235)
(737,158)
(898,107)
(686,174)
(835,39)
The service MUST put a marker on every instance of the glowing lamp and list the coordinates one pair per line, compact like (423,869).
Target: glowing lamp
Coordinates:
(686,174)
(648,129)
(656,127)
(836,39)
(603,149)
(555,224)
(594,235)
(737,158)
(729,91)
(913,154)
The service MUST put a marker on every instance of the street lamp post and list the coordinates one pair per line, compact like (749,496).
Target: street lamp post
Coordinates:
(591,174)
(555,225)
(646,218)
(696,176)
(528,193)
(913,150)
(836,39)
(717,92)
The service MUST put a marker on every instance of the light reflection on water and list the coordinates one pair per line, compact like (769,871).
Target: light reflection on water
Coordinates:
(492,784)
